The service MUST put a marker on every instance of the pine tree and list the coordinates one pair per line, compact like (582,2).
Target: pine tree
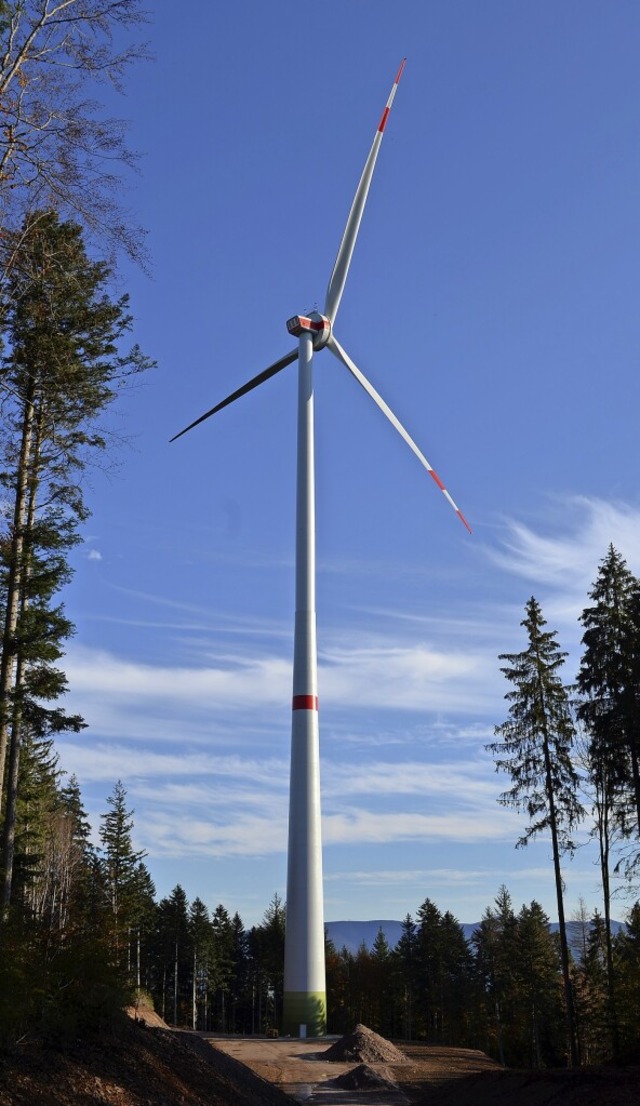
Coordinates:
(381,1003)
(539,977)
(404,968)
(143,909)
(120,864)
(222,962)
(536,750)
(201,935)
(241,996)
(266,944)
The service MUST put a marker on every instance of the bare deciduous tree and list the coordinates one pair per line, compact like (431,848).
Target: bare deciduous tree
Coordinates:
(59,150)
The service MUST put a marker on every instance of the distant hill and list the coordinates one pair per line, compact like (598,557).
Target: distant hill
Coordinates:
(351,935)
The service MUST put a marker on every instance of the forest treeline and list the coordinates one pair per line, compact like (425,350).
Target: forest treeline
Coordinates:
(87,934)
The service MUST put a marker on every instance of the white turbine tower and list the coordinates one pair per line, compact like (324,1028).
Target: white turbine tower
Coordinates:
(304,973)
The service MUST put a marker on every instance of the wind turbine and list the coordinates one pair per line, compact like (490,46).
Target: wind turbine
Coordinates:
(304,974)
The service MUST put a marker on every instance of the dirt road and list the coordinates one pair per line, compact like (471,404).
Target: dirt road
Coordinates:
(293,1065)
(299,1068)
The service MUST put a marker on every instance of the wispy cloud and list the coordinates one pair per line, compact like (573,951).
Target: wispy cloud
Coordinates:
(413,676)
(560,556)
(250,836)
(578,535)
(374,827)
(426,877)
(462,783)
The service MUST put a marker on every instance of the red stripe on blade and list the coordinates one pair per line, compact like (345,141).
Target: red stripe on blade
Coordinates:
(383,121)
(432,472)
(402,65)
(461,516)
(305,702)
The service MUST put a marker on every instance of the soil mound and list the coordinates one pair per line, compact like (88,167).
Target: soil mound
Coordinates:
(365,1078)
(143,1013)
(366,1047)
(131,1066)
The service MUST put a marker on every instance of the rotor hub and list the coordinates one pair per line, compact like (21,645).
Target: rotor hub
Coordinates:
(319,326)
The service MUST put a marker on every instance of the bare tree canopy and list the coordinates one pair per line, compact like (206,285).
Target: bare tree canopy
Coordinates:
(58,149)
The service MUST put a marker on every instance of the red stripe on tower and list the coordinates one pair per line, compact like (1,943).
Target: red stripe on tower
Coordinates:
(305,702)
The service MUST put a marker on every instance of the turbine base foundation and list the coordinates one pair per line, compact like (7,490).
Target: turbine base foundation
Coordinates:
(306,1009)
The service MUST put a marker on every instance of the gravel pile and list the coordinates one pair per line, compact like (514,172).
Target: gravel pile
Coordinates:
(365,1078)
(366,1047)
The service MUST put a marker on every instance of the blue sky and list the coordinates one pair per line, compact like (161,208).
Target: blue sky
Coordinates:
(493,301)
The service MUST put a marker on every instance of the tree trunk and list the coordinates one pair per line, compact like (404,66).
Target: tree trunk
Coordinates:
(574,1058)
(15,575)
(603,806)
(194,1005)
(9,833)
(175,985)
(635,766)
(16,670)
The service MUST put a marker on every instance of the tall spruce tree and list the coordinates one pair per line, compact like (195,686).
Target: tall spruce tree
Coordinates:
(609,687)
(404,958)
(62,366)
(266,944)
(222,932)
(540,991)
(201,936)
(121,872)
(241,1004)
(495,944)
(609,684)
(536,751)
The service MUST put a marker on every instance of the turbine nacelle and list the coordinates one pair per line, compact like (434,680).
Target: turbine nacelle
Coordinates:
(319,326)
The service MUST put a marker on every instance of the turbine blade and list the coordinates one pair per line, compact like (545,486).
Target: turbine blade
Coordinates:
(335,347)
(266,374)
(343,260)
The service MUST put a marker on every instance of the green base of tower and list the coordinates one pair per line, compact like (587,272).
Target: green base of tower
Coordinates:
(304,1008)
